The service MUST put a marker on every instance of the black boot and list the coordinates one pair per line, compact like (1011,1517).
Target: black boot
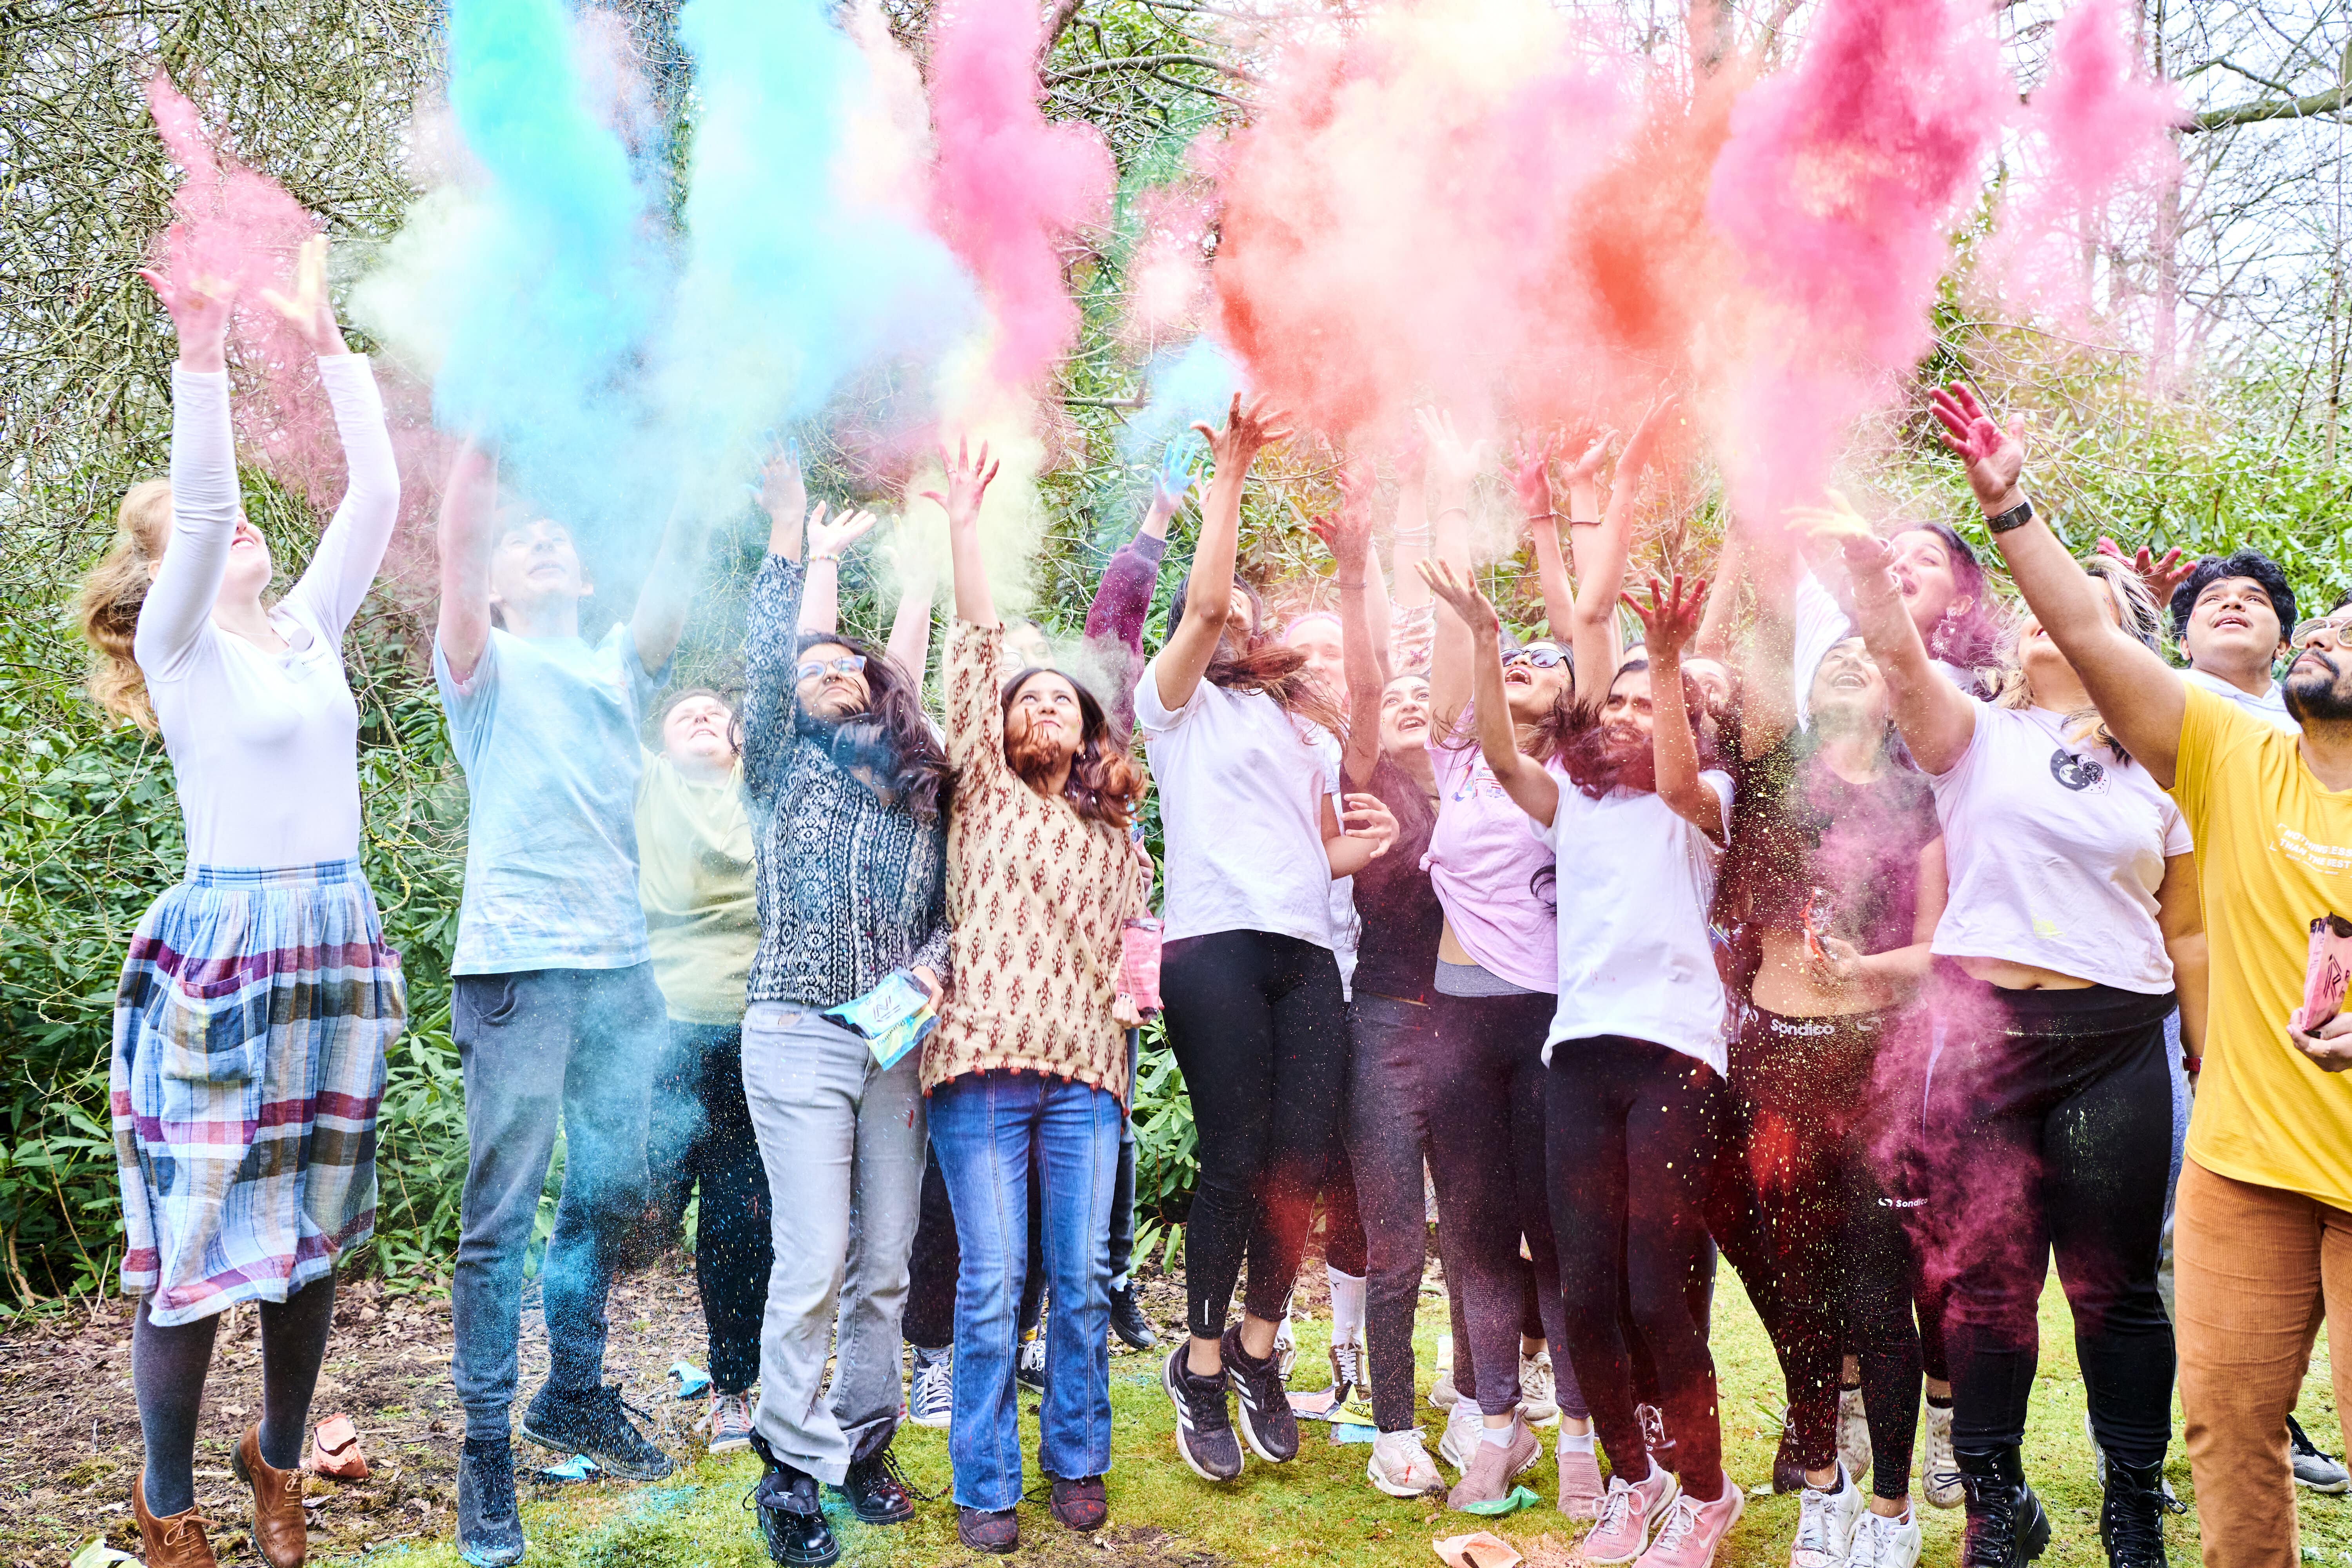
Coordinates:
(1126,1320)
(2006,1525)
(2131,1519)
(876,1491)
(792,1513)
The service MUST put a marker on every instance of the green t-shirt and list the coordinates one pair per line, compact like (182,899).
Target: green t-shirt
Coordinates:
(702,917)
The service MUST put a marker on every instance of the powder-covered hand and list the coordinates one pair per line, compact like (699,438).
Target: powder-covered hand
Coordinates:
(308,309)
(1248,430)
(199,302)
(832,538)
(1451,460)
(970,474)
(1530,475)
(2162,573)
(1995,457)
(1670,618)
(1461,595)
(2330,1044)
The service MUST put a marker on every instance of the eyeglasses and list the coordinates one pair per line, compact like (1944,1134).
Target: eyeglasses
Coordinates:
(2308,633)
(848,664)
(1542,655)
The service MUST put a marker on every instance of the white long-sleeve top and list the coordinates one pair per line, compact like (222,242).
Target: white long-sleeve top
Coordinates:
(265,746)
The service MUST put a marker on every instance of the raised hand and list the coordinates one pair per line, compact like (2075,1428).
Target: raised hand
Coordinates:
(1461,595)
(309,310)
(969,476)
(1670,617)
(1636,456)
(1995,457)
(1835,523)
(2162,573)
(199,302)
(1248,430)
(1368,816)
(828,540)
(783,494)
(1530,475)
(1586,469)
(1451,460)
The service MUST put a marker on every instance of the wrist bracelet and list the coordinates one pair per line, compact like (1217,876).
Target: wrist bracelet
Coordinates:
(834,557)
(1583,523)
(1411,535)
(1343,583)
(1542,516)
(1450,511)
(2016,517)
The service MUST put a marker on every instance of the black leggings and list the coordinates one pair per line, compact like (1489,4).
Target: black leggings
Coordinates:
(2049,1120)
(1486,1153)
(1631,1133)
(1260,1032)
(701,1134)
(1803,1216)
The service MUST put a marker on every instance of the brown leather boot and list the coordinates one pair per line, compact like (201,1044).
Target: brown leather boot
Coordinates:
(175,1542)
(277,1526)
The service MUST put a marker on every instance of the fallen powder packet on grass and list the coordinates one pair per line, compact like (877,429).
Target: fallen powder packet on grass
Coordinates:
(578,1467)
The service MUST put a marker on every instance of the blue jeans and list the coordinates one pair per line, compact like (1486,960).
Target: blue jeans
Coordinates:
(986,1128)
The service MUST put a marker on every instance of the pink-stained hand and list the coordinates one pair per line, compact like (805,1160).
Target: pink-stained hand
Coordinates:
(198,302)
(1349,537)
(1995,457)
(969,476)
(308,309)
(1586,470)
(1125,1013)
(1645,436)
(1451,458)
(1670,617)
(1461,595)
(1368,816)
(1248,430)
(1530,475)
(2162,573)
(2330,1046)
(835,536)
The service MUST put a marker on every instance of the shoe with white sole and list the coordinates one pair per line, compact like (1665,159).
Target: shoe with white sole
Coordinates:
(1690,1532)
(1462,1424)
(1939,1468)
(1268,1423)
(1347,1371)
(931,1400)
(1628,1511)
(728,1423)
(1853,1436)
(1204,1426)
(1580,1483)
(1654,1435)
(1495,1466)
(1883,1542)
(1539,1395)
(1826,1517)
(2314,1471)
(1442,1391)
(1400,1466)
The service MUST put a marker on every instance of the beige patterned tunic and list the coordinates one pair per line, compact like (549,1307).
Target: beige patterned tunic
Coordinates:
(1036,897)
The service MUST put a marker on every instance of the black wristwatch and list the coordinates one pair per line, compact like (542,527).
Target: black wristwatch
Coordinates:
(2015,517)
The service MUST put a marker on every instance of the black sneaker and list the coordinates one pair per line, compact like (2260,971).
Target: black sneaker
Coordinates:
(1126,1320)
(1267,1421)
(1204,1430)
(792,1514)
(2314,1471)
(876,1490)
(597,1424)
(489,1532)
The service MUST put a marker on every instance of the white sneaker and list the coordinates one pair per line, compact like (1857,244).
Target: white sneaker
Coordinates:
(1883,1542)
(1853,1436)
(1464,1422)
(1442,1391)
(1400,1466)
(1693,1529)
(931,1400)
(1939,1468)
(1539,1397)
(1285,1347)
(1825,1521)
(1347,1371)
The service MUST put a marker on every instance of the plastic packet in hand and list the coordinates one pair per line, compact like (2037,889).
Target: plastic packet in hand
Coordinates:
(1138,963)
(892,1019)
(2331,964)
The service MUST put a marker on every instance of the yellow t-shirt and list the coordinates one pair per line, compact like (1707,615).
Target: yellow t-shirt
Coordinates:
(2274,853)
(694,879)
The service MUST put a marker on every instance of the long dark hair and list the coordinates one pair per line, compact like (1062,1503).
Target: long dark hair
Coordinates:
(1258,662)
(890,743)
(1104,785)
(1972,638)
(1578,741)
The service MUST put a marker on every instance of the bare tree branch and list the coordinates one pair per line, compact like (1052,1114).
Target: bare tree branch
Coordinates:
(2308,107)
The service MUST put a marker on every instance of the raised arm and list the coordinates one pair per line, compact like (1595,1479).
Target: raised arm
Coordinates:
(203,467)
(1451,464)
(660,616)
(911,623)
(771,655)
(351,550)
(1525,780)
(1935,718)
(1413,627)
(1668,620)
(1123,595)
(467,502)
(1208,595)
(2180,915)
(969,476)
(2138,696)
(1350,537)
(1600,556)
(829,539)
(1531,474)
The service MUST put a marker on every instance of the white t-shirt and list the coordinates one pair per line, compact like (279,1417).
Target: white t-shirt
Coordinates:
(1241,813)
(2055,852)
(1817,625)
(1634,955)
(2270,707)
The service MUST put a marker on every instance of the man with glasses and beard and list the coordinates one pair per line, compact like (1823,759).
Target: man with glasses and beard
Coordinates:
(2263,1230)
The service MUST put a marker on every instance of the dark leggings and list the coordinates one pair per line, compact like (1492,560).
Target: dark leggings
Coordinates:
(2049,1115)
(1631,1128)
(167,1375)
(1487,1154)
(1804,1218)
(1260,1032)
(702,1135)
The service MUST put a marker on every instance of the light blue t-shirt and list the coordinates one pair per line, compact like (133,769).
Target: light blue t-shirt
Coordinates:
(547,732)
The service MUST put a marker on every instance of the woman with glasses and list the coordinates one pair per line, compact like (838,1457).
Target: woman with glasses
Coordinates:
(1496,984)
(2071,923)
(849,792)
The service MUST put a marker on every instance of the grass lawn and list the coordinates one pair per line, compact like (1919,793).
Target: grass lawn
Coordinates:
(1320,1509)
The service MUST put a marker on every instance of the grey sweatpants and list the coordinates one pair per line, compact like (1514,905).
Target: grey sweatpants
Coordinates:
(843,1142)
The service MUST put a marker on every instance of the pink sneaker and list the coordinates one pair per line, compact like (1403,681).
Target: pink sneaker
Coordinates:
(1627,1511)
(1579,1484)
(1693,1529)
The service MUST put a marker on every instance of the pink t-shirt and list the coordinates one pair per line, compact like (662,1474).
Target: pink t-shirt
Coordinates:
(1493,876)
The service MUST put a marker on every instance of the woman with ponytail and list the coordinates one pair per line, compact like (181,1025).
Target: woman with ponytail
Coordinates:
(258,997)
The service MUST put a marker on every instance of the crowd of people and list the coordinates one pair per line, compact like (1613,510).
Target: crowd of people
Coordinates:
(1854,928)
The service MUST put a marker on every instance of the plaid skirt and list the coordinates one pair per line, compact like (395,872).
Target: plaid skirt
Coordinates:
(250,1035)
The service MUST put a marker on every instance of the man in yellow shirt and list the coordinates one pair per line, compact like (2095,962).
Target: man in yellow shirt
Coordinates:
(2262,1225)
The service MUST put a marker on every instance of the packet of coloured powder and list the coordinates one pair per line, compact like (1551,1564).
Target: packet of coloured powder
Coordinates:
(1817,922)
(892,1019)
(2331,963)
(1138,963)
